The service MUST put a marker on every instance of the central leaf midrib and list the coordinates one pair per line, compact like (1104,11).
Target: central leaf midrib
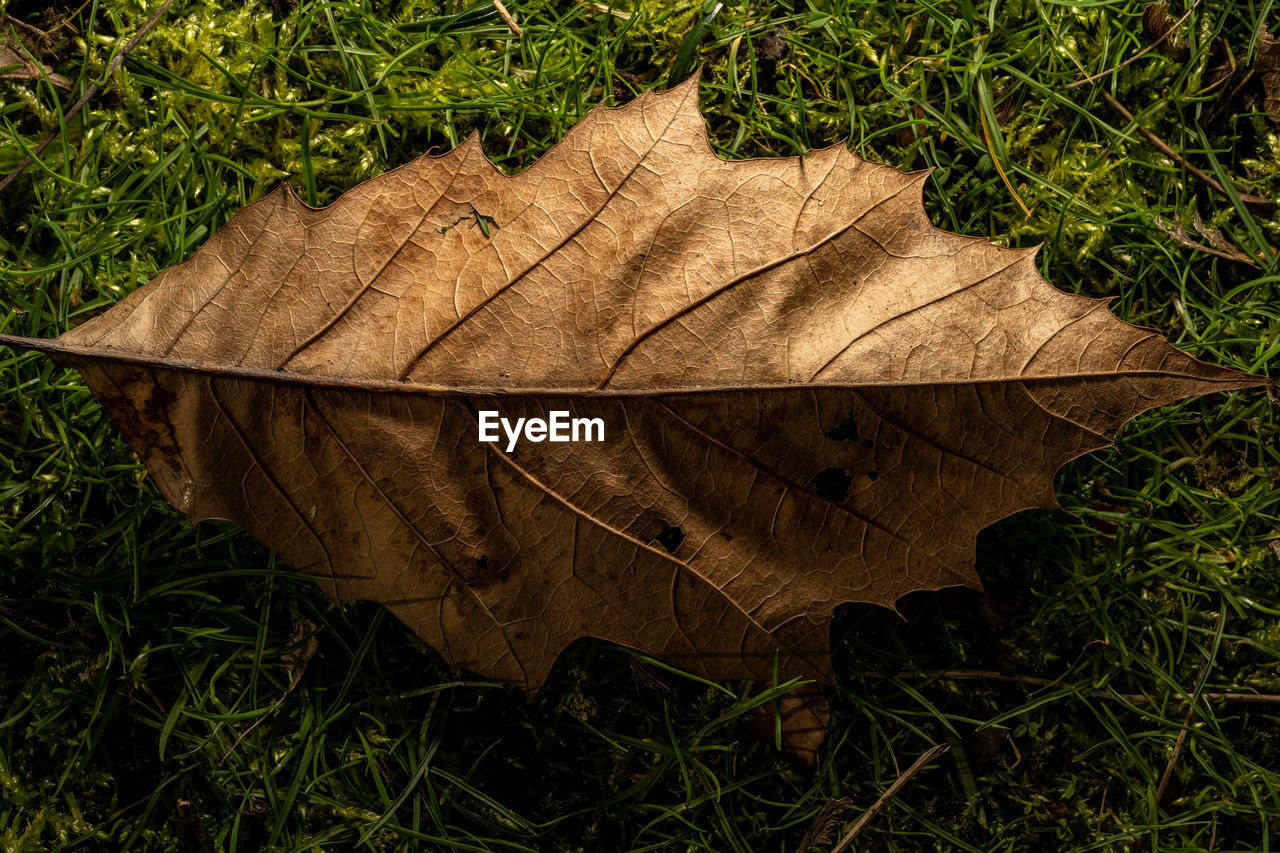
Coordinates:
(54,347)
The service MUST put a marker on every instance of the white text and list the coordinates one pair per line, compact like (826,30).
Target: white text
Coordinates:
(557,427)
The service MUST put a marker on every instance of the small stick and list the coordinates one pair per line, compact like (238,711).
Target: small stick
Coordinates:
(887,796)
(1038,681)
(92,90)
(1186,722)
(1177,749)
(1136,56)
(506,17)
(1264,204)
(600,7)
(296,660)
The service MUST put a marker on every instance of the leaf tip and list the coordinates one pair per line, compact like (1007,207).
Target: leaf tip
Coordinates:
(690,82)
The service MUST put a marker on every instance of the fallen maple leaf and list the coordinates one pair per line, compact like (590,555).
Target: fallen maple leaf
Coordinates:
(809,394)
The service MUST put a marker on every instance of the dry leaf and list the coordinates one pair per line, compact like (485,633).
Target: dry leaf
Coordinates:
(1219,245)
(17,65)
(1156,24)
(810,394)
(1155,21)
(303,645)
(1267,66)
(825,824)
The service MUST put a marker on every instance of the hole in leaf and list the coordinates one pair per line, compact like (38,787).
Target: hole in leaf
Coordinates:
(486,223)
(846,430)
(833,484)
(670,537)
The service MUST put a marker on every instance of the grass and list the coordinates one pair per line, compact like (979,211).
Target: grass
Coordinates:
(153,690)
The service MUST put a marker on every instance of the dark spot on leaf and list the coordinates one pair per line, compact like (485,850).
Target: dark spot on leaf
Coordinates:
(488,572)
(833,484)
(873,475)
(846,430)
(670,537)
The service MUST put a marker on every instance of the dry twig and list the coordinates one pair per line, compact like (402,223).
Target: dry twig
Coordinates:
(887,796)
(1038,681)
(1092,77)
(92,90)
(1257,202)
(1191,709)
(506,18)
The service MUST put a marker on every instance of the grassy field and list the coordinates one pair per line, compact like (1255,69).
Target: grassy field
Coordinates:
(171,688)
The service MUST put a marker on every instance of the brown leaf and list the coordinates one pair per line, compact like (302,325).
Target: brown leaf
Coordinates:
(1267,67)
(1155,21)
(17,65)
(1156,26)
(303,645)
(810,394)
(825,824)
(1219,245)
(800,717)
